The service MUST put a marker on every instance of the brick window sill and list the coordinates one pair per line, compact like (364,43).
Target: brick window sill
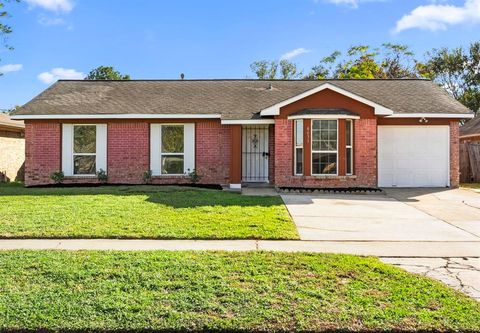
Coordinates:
(325,177)
(80,177)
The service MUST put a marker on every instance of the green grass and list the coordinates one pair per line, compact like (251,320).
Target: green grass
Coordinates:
(140,212)
(475,186)
(161,290)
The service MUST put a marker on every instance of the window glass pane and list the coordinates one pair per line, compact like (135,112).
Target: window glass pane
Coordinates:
(348,133)
(324,163)
(315,124)
(349,161)
(172,139)
(84,139)
(332,134)
(298,132)
(172,165)
(299,161)
(325,137)
(84,165)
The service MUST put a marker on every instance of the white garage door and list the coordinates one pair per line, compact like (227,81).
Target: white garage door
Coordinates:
(413,156)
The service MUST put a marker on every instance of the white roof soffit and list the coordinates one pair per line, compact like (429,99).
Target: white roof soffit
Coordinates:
(117,116)
(274,110)
(432,115)
(248,122)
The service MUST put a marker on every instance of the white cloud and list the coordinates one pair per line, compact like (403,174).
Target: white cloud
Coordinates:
(350,3)
(439,17)
(50,21)
(10,68)
(60,73)
(53,5)
(294,53)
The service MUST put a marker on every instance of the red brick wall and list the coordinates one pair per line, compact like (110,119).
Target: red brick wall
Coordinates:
(213,152)
(365,158)
(128,153)
(42,152)
(454,154)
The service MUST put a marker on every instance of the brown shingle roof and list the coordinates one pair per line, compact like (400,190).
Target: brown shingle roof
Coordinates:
(233,99)
(471,127)
(7,122)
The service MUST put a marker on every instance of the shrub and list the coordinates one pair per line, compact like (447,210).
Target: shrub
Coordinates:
(102,176)
(194,176)
(147,177)
(57,177)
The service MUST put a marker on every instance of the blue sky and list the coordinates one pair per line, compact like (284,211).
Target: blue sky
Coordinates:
(210,38)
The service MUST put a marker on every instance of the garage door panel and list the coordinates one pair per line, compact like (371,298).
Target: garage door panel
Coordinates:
(413,156)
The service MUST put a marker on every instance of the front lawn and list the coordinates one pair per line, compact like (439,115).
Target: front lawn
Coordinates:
(473,186)
(161,290)
(140,212)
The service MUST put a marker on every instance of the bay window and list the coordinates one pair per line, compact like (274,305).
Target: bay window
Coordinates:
(324,147)
(298,154)
(172,149)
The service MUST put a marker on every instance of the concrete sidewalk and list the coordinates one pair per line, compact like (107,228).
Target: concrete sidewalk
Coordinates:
(368,248)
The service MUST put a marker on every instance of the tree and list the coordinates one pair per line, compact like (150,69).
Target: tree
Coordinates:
(398,62)
(362,62)
(271,70)
(5,29)
(458,71)
(326,67)
(360,65)
(106,73)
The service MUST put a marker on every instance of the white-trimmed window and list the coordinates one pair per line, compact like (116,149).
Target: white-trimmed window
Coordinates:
(324,147)
(172,149)
(298,158)
(84,149)
(349,146)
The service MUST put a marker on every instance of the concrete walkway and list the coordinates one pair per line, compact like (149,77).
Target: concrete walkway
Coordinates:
(374,248)
(462,274)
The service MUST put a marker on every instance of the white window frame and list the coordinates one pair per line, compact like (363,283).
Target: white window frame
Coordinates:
(323,151)
(83,154)
(349,145)
(68,154)
(156,149)
(298,147)
(162,154)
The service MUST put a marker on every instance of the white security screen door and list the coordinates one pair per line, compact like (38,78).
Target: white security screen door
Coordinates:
(255,153)
(413,156)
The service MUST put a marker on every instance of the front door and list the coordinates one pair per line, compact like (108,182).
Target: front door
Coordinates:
(255,153)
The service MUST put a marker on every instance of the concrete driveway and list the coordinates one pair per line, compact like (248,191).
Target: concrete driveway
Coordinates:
(427,215)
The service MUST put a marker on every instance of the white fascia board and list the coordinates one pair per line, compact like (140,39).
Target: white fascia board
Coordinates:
(274,110)
(432,115)
(117,116)
(324,116)
(248,122)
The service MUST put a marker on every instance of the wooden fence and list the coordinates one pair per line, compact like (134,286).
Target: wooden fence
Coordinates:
(469,162)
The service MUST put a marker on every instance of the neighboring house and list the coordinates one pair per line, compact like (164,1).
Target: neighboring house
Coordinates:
(337,133)
(470,131)
(12,148)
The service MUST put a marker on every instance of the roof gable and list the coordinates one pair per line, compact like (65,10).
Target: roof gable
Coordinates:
(274,110)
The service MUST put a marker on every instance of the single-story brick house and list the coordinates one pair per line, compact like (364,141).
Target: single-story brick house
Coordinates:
(470,131)
(12,148)
(294,133)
